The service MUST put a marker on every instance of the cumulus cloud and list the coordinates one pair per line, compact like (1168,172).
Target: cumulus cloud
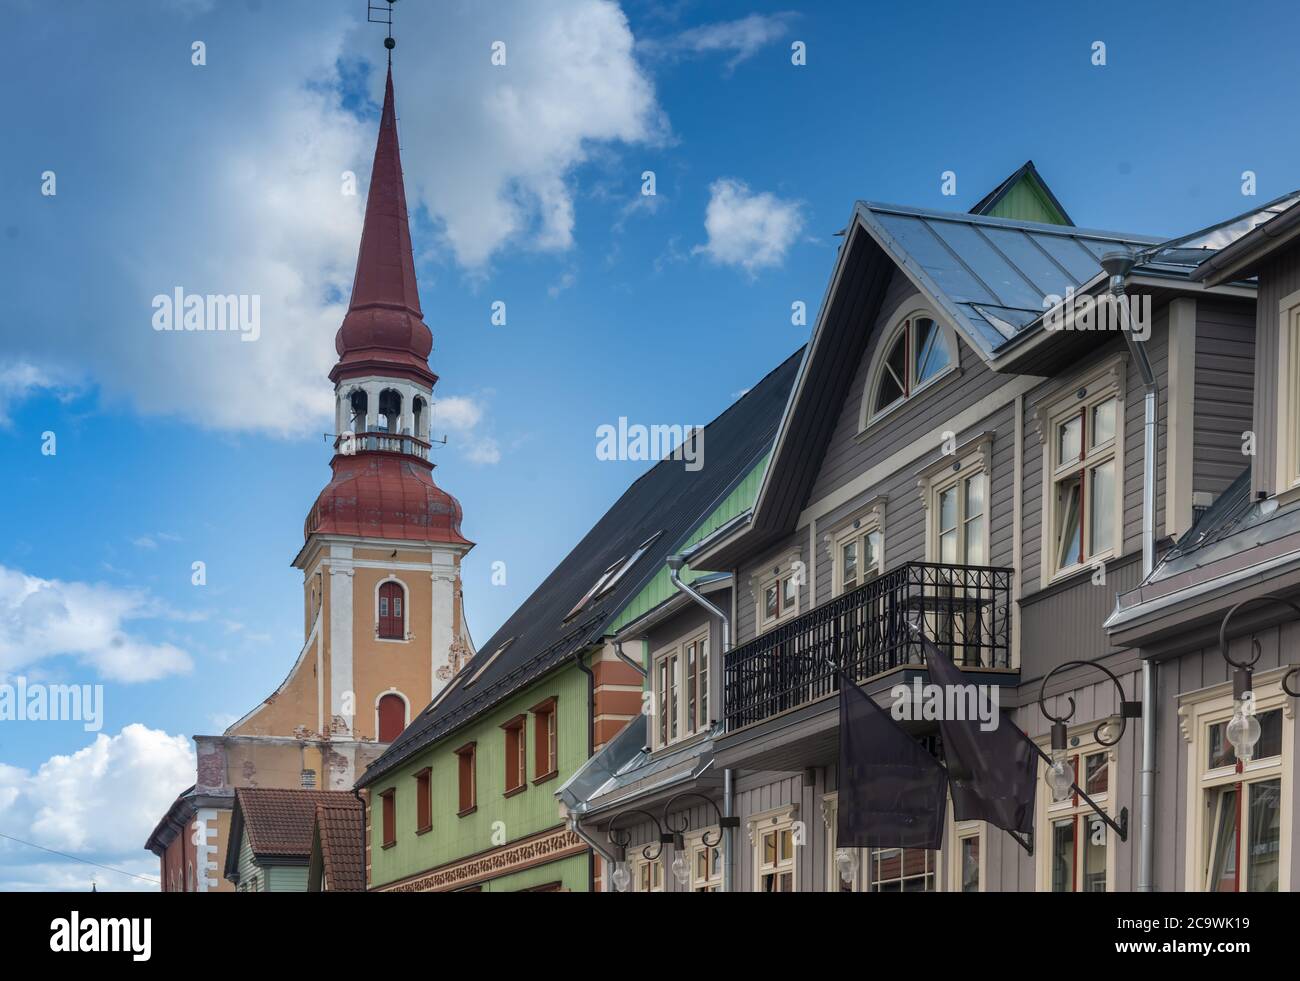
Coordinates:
(748,230)
(98,803)
(462,417)
(20,380)
(45,618)
(249,196)
(741,39)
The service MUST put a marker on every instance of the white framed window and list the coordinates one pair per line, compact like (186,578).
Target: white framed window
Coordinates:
(967,856)
(648,876)
(777,593)
(706,862)
(857,548)
(1075,848)
(1239,833)
(1287,479)
(681,681)
(1082,434)
(915,351)
(900,870)
(955,493)
(772,837)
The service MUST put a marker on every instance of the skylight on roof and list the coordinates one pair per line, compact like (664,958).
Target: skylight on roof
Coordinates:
(1221,236)
(487,664)
(611,576)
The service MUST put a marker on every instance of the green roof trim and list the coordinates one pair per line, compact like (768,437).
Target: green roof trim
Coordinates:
(661,589)
(1024,196)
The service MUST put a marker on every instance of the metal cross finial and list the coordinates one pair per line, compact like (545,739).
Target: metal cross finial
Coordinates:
(382,13)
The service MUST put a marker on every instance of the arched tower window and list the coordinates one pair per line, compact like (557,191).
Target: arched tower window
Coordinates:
(420,410)
(392,717)
(392,611)
(390,411)
(358,402)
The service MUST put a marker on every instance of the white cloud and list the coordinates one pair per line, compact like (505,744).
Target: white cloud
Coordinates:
(99,804)
(493,153)
(20,380)
(462,416)
(45,618)
(742,38)
(748,230)
(248,197)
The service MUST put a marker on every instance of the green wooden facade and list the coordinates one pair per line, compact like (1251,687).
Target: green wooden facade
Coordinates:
(254,877)
(498,820)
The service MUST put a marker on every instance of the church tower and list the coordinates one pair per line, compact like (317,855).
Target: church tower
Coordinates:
(383,621)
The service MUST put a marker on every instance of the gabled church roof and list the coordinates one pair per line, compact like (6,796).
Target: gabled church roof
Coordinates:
(666,504)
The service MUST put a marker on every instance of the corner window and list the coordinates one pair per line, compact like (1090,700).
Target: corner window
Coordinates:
(392,611)
(516,755)
(1083,446)
(915,353)
(681,690)
(467,779)
(546,740)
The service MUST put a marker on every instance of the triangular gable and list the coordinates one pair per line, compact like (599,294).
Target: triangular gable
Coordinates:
(1024,196)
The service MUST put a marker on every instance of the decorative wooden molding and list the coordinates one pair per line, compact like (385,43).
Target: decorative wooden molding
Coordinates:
(978,450)
(1110,371)
(780,815)
(527,853)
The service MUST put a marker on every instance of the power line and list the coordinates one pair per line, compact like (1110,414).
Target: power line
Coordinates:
(83,861)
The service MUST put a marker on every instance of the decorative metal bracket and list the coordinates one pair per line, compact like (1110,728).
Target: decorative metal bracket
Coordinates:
(620,839)
(678,832)
(1241,682)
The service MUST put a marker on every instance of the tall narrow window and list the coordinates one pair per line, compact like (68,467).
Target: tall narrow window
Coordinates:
(516,754)
(392,615)
(388,815)
(1084,480)
(423,802)
(545,739)
(1078,839)
(468,779)
(776,860)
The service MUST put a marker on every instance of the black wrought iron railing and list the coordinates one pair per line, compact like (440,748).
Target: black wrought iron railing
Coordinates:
(964,610)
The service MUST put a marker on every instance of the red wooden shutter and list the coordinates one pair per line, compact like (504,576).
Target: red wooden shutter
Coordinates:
(392,718)
(389,817)
(392,617)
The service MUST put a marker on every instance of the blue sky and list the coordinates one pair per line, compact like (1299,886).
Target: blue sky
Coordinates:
(525,183)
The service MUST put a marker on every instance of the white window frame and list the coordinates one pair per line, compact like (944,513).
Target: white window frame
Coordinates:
(777,575)
(904,316)
(866,521)
(656,870)
(975,456)
(406,612)
(1049,812)
(962,831)
(1286,480)
(1101,383)
(686,728)
(776,821)
(695,846)
(1199,710)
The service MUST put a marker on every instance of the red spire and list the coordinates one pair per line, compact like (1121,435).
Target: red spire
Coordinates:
(384,331)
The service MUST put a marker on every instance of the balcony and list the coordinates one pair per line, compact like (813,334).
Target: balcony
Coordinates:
(963,610)
(382,442)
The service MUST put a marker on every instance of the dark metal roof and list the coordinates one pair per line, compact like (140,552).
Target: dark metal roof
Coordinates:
(669,501)
(1233,247)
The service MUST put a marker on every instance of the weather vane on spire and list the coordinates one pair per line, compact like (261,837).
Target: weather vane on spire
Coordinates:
(382,13)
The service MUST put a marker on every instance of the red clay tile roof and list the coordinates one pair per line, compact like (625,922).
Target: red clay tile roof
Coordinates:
(280,822)
(339,826)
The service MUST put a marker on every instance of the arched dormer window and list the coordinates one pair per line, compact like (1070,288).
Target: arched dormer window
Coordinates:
(917,350)
(391,610)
